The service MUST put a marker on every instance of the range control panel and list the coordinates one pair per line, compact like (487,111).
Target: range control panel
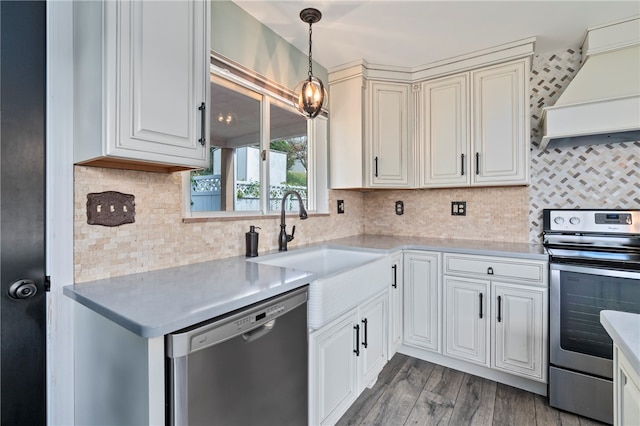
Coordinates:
(600,221)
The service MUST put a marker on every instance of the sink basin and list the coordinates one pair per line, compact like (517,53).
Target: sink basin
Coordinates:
(322,260)
(346,278)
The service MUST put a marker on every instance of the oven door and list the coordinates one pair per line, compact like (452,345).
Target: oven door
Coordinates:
(578,294)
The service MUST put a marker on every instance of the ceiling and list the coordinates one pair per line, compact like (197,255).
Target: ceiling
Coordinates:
(415,33)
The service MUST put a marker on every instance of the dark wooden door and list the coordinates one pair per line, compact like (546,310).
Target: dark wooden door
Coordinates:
(22,213)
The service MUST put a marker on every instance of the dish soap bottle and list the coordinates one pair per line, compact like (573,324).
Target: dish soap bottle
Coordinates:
(252,241)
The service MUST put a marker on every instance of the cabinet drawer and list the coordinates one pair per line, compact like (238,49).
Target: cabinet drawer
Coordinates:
(496,268)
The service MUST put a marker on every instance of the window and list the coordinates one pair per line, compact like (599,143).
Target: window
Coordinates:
(261,147)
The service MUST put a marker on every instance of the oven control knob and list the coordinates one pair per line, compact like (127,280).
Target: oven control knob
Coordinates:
(559,220)
(574,220)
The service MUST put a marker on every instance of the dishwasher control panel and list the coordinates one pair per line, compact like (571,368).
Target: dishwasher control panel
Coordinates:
(250,321)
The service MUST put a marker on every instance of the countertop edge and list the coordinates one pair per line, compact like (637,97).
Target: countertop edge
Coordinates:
(624,329)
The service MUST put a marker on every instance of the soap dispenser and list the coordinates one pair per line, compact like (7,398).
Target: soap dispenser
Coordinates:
(252,241)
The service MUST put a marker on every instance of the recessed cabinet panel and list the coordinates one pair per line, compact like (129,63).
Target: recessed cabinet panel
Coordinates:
(373,326)
(499,122)
(518,322)
(335,370)
(422,300)
(396,290)
(445,132)
(389,133)
(467,319)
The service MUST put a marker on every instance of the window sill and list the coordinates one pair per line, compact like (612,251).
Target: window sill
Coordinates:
(245,217)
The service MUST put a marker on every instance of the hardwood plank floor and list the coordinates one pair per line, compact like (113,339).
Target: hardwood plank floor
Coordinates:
(410,391)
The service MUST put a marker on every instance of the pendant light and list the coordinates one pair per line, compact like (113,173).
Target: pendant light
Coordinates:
(311,93)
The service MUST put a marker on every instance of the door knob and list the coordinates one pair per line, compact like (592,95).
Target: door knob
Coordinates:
(23,289)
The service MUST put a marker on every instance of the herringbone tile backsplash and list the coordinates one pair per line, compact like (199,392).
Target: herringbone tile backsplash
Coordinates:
(595,176)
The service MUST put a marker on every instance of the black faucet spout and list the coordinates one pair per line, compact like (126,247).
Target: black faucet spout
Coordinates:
(283,239)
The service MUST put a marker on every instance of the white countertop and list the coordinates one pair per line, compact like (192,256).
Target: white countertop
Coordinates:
(624,329)
(151,304)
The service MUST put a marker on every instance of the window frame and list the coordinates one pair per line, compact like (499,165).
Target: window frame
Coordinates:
(317,134)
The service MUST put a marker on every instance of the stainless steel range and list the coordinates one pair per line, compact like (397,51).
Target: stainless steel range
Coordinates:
(594,265)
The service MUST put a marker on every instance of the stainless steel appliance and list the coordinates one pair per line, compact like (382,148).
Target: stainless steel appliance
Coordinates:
(594,265)
(246,368)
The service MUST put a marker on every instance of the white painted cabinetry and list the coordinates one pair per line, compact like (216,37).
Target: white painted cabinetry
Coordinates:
(496,312)
(422,304)
(475,127)
(396,290)
(390,162)
(141,84)
(626,391)
(370,141)
(466,324)
(346,355)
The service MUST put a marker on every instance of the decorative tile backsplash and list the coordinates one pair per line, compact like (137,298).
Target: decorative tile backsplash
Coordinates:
(595,176)
(159,238)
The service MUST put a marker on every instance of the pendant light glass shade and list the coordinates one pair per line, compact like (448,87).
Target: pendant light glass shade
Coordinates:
(311,94)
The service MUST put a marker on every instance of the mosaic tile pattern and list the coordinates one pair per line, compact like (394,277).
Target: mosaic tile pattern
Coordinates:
(596,176)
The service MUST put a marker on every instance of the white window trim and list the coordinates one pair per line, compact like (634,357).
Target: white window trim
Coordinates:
(317,133)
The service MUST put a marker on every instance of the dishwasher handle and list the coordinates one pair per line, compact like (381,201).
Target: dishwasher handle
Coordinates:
(258,332)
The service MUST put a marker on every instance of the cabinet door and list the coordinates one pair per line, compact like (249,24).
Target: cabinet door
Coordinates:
(373,340)
(519,324)
(389,135)
(333,369)
(467,319)
(626,391)
(500,124)
(162,81)
(422,300)
(445,136)
(395,305)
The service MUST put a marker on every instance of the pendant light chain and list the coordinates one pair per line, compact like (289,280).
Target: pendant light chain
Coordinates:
(310,66)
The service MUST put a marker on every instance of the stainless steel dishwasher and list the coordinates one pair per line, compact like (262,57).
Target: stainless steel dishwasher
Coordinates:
(246,368)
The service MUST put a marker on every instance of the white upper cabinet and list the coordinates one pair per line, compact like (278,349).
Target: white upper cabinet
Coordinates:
(142,84)
(445,132)
(500,130)
(475,128)
(388,121)
(370,144)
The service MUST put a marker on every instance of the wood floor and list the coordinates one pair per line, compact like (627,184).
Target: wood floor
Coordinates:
(411,391)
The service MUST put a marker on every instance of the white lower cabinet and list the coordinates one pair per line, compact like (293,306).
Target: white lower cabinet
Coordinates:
(345,356)
(422,299)
(519,325)
(466,319)
(497,324)
(626,391)
(395,305)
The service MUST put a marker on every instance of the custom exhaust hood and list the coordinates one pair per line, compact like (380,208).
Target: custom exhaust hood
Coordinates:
(602,103)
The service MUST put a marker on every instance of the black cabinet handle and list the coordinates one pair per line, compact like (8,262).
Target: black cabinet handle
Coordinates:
(461,164)
(481,305)
(395,276)
(499,308)
(203,117)
(490,270)
(376,163)
(477,163)
(357,349)
(364,341)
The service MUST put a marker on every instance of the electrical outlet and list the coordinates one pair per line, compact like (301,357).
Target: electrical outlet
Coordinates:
(399,208)
(458,208)
(340,206)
